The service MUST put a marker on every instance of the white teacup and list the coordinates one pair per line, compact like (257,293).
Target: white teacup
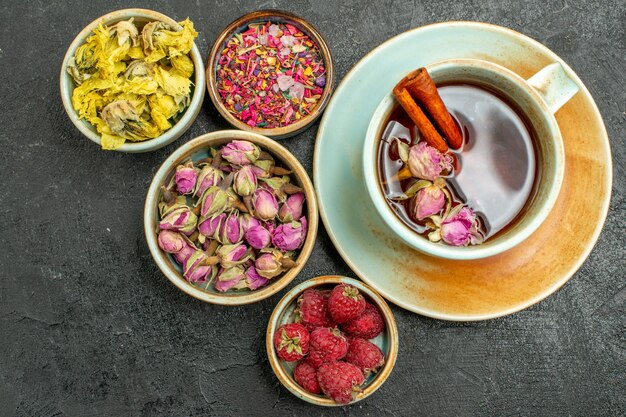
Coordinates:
(538,98)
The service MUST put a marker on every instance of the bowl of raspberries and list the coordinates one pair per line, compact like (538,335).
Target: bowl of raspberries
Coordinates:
(332,341)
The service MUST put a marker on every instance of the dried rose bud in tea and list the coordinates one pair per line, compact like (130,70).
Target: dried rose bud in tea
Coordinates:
(417,188)
(270,75)
(457,162)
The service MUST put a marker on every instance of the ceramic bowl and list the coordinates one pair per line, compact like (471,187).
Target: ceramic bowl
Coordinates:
(538,98)
(387,341)
(275,16)
(141,16)
(197,149)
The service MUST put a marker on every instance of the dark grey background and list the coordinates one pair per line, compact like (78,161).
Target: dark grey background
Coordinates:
(90,327)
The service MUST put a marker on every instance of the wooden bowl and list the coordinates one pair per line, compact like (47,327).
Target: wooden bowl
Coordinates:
(197,149)
(140,16)
(387,341)
(273,16)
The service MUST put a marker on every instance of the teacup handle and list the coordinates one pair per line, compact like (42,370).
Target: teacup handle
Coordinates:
(554,86)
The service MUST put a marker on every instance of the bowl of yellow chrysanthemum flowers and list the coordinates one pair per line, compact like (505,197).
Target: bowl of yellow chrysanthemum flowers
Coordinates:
(133,80)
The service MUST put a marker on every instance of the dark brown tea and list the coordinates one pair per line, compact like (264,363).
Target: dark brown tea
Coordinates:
(493,171)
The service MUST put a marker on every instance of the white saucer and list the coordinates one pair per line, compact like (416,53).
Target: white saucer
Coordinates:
(458,290)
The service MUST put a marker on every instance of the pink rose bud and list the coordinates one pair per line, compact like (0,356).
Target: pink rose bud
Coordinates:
(240,152)
(428,163)
(455,233)
(231,255)
(244,182)
(265,205)
(254,280)
(460,228)
(228,278)
(268,264)
(290,236)
(209,226)
(258,237)
(195,268)
(262,168)
(185,178)
(230,230)
(188,250)
(428,201)
(208,177)
(260,172)
(171,242)
(179,218)
(214,201)
(247,221)
(292,208)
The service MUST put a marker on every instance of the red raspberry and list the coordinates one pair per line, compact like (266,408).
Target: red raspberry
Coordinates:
(339,380)
(327,344)
(368,325)
(291,341)
(306,376)
(364,354)
(345,303)
(313,310)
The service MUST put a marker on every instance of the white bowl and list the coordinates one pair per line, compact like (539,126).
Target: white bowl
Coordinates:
(67,83)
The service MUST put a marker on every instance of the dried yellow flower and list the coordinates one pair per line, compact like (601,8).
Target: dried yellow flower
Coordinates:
(160,41)
(132,85)
(125,30)
(173,84)
(183,65)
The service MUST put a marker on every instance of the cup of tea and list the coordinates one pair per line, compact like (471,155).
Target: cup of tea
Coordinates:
(508,170)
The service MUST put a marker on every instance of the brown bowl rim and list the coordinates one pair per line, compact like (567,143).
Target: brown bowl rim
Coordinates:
(309,29)
(166,265)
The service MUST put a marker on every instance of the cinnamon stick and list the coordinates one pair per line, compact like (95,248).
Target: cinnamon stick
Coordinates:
(426,128)
(423,88)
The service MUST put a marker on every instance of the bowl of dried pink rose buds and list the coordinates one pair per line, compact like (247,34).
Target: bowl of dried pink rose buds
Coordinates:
(332,341)
(231,217)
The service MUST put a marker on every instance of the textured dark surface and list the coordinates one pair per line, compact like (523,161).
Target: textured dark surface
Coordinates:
(89,326)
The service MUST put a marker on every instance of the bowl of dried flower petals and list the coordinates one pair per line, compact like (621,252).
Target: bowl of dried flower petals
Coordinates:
(270,72)
(231,217)
(133,80)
